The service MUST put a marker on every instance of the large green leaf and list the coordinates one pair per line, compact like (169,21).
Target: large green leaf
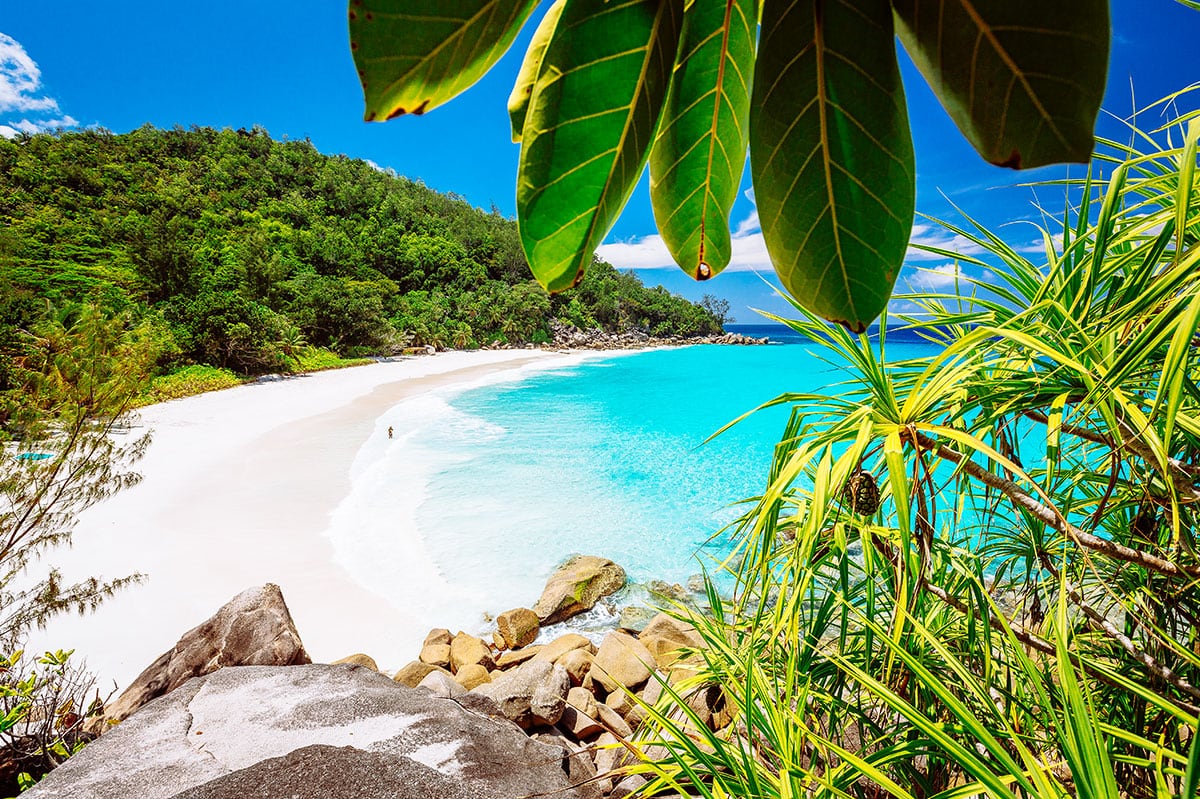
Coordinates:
(1022,79)
(413,55)
(590,123)
(831,154)
(518,101)
(697,159)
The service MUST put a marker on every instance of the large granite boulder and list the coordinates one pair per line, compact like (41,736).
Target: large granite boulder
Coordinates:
(226,733)
(577,586)
(252,629)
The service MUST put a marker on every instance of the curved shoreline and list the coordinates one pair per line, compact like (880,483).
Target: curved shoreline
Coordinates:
(239,489)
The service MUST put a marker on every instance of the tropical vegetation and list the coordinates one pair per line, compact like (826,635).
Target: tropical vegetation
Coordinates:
(65,444)
(238,252)
(975,574)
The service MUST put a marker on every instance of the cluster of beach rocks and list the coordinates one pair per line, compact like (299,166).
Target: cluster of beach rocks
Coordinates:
(237,701)
(584,697)
(573,338)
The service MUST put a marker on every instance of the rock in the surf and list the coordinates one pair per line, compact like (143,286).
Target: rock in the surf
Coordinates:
(577,586)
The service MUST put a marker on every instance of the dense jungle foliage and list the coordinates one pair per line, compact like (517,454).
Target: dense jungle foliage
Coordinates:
(234,250)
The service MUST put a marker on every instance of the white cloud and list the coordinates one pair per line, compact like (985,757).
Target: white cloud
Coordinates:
(749,250)
(935,236)
(21,93)
(936,278)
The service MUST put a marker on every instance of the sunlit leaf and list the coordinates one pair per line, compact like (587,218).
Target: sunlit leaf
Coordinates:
(831,154)
(698,157)
(590,124)
(1022,79)
(413,55)
(518,101)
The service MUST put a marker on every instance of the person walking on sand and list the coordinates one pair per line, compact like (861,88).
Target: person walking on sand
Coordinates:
(389,431)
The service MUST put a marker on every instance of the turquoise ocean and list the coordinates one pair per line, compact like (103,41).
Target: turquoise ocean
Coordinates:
(611,457)
(485,490)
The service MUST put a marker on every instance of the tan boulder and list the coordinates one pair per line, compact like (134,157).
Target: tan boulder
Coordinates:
(498,641)
(518,627)
(612,720)
(577,662)
(665,651)
(610,754)
(672,629)
(516,657)
(472,675)
(619,701)
(467,649)
(648,696)
(412,674)
(622,661)
(438,636)
(576,587)
(582,700)
(252,629)
(579,715)
(435,655)
(358,659)
(564,644)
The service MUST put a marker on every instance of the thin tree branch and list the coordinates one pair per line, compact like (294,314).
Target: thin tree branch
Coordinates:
(1049,515)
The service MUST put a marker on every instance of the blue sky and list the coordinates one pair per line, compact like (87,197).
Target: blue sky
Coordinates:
(286,66)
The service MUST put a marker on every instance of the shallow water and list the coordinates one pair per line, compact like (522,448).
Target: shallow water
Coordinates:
(606,457)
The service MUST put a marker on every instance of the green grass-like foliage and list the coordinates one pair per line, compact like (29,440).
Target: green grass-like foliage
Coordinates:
(189,380)
(607,85)
(1018,617)
(315,359)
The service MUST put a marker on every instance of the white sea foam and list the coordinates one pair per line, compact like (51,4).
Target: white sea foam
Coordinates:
(376,530)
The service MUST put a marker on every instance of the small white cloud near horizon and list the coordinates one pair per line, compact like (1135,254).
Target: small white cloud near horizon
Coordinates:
(21,93)
(749,249)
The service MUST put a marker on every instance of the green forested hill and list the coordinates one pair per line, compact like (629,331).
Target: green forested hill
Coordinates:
(237,250)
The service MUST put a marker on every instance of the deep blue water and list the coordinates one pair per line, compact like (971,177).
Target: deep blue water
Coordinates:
(608,457)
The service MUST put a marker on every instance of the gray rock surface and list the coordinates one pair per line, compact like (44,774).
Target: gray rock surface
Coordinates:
(236,718)
(252,629)
(577,586)
(328,772)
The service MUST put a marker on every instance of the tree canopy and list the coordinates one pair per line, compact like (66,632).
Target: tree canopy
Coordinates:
(238,250)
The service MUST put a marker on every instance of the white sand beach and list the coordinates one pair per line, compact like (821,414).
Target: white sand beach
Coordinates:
(239,489)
